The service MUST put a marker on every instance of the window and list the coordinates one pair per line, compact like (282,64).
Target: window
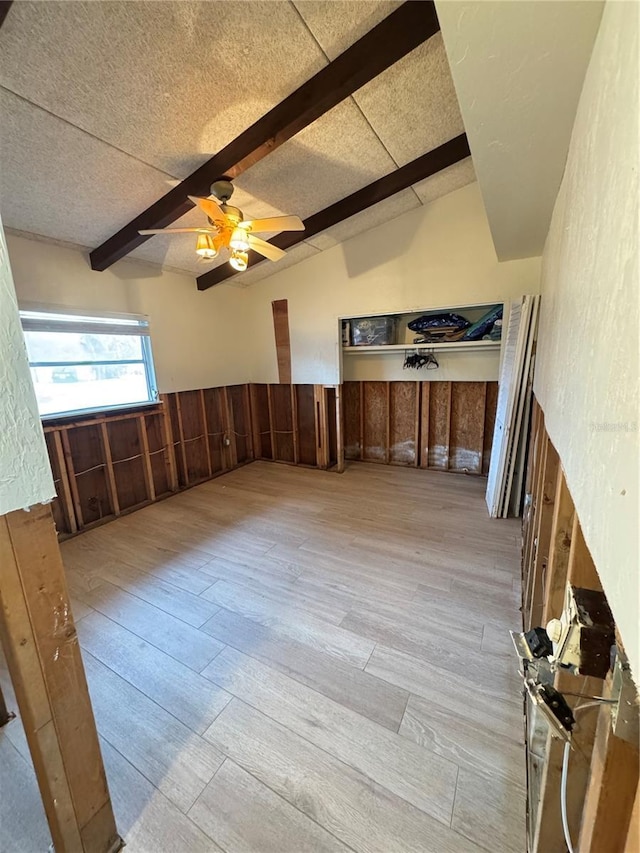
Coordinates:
(83,363)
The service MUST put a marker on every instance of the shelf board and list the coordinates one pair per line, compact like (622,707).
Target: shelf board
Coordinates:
(451,346)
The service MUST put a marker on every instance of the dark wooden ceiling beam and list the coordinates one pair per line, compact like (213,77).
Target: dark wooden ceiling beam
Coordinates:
(397,35)
(451,152)
(5,5)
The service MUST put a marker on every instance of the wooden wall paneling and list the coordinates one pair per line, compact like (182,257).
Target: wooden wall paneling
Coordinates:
(229,438)
(160,449)
(294,420)
(559,550)
(108,463)
(205,427)
(491,404)
(375,444)
(468,403)
(340,428)
(62,506)
(216,424)
(403,418)
(127,462)
(632,844)
(543,536)
(240,423)
(439,424)
(425,404)
(531,498)
(170,443)
(43,654)
(194,435)
(246,403)
(613,782)
(146,458)
(73,485)
(261,421)
(331,409)
(282,422)
(306,424)
(271,431)
(320,426)
(89,466)
(536,511)
(283,343)
(352,411)
(179,451)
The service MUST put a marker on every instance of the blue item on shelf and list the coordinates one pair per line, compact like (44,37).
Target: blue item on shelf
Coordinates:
(482,326)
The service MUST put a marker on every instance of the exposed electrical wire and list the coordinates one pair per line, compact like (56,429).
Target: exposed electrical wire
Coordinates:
(565,773)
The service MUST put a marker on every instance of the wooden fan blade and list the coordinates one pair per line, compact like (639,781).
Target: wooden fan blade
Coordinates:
(274,223)
(263,248)
(213,211)
(178,231)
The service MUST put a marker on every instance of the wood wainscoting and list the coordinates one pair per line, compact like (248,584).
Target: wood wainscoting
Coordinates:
(107,465)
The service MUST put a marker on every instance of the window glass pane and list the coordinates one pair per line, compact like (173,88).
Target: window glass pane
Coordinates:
(69,388)
(74,347)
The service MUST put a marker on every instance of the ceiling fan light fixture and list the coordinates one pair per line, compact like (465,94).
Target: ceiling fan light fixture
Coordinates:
(239,240)
(239,260)
(206,247)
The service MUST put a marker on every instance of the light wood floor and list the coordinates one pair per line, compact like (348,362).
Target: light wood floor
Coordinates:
(285,660)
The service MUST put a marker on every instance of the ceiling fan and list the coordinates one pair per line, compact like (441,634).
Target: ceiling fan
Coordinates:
(228,229)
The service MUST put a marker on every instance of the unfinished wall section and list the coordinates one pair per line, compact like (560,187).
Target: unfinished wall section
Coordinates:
(587,366)
(446,426)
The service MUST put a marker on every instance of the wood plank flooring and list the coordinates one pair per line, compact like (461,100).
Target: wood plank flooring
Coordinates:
(284,660)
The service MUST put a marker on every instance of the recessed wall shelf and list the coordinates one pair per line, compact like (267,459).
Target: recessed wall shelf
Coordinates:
(465,346)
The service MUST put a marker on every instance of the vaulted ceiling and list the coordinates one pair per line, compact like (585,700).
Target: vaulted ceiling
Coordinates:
(107,105)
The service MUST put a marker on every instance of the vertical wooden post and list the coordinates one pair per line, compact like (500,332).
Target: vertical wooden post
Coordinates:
(339,430)
(387,441)
(65,486)
(230,429)
(5,714)
(612,787)
(68,460)
(448,449)
(294,424)
(205,428)
(108,462)
(560,546)
(170,458)
(248,416)
(183,449)
(41,646)
(146,458)
(425,405)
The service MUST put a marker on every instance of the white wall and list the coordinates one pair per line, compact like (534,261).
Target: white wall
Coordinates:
(25,473)
(194,335)
(437,255)
(587,373)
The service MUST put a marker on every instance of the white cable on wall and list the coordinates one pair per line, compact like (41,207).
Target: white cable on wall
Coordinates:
(565,772)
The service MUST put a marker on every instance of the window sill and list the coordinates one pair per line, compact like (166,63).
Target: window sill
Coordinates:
(97,415)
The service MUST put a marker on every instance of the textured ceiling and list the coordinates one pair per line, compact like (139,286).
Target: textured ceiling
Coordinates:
(104,104)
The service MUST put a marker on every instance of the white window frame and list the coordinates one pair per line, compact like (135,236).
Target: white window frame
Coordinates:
(36,317)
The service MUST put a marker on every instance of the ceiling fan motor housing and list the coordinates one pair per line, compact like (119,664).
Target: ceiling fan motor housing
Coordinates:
(222,189)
